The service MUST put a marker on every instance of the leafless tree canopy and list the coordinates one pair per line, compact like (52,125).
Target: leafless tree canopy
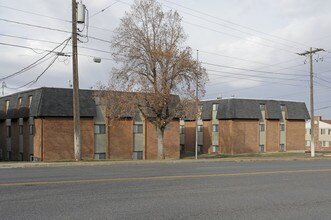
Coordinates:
(154,63)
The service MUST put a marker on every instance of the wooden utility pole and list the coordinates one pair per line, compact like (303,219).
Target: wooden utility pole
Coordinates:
(75,94)
(312,132)
(198,110)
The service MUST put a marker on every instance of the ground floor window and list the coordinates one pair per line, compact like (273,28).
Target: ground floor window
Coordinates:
(200,148)
(308,143)
(182,148)
(215,148)
(325,143)
(262,148)
(100,156)
(137,155)
(282,147)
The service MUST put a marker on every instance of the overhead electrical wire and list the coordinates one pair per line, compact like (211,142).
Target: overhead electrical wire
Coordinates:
(35,63)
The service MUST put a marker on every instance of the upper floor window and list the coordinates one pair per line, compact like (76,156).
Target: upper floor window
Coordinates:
(262,127)
(6,105)
(282,107)
(215,128)
(200,128)
(99,129)
(308,131)
(282,127)
(138,129)
(262,107)
(181,129)
(19,102)
(8,131)
(323,131)
(215,107)
(29,101)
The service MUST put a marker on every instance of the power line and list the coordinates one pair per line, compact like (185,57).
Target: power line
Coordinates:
(233,23)
(104,9)
(52,42)
(37,62)
(250,70)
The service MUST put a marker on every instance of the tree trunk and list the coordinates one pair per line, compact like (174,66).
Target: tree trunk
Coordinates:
(160,143)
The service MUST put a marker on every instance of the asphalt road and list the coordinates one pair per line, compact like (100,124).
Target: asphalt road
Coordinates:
(190,190)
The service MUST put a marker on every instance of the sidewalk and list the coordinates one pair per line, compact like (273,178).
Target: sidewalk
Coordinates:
(8,165)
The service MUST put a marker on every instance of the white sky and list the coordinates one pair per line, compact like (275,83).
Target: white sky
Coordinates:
(248,46)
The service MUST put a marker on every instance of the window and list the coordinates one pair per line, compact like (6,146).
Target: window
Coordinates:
(323,131)
(8,155)
(215,128)
(8,131)
(100,156)
(308,131)
(282,127)
(200,148)
(262,127)
(182,148)
(99,129)
(29,101)
(20,156)
(262,107)
(282,147)
(21,129)
(329,132)
(325,143)
(138,129)
(261,148)
(181,129)
(1,154)
(31,129)
(308,143)
(282,107)
(200,128)
(6,106)
(215,149)
(215,107)
(19,102)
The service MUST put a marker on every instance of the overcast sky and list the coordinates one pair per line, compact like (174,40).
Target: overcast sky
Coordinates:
(248,46)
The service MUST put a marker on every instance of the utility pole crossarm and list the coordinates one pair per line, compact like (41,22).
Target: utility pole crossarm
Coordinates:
(310,52)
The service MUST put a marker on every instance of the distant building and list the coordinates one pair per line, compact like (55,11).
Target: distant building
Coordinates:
(322,134)
(38,125)
(233,126)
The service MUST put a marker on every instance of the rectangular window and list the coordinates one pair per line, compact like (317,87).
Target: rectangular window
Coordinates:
(29,101)
(181,129)
(307,143)
(99,129)
(215,128)
(323,131)
(262,127)
(182,148)
(31,129)
(200,128)
(19,102)
(282,147)
(200,148)
(261,148)
(282,127)
(215,149)
(329,132)
(262,107)
(138,129)
(8,131)
(325,143)
(215,107)
(6,106)
(21,129)
(308,131)
(282,107)
(1,154)
(8,155)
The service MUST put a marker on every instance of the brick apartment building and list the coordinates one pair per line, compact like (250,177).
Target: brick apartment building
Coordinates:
(233,126)
(38,124)
(322,134)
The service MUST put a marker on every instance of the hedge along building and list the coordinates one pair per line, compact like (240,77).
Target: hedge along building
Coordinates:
(38,124)
(232,126)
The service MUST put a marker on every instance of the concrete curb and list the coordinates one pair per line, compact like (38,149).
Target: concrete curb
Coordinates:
(9,165)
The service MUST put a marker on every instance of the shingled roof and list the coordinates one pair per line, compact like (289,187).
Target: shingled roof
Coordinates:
(250,109)
(47,102)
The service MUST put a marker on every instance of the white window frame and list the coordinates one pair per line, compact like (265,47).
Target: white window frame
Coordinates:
(99,129)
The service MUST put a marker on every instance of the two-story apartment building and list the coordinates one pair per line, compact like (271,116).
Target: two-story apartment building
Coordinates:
(38,124)
(232,126)
(322,134)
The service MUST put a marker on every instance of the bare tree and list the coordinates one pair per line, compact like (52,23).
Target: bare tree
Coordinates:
(155,64)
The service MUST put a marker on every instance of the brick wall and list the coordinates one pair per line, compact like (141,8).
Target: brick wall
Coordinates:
(273,135)
(189,136)
(207,136)
(120,139)
(295,135)
(239,136)
(171,141)
(54,138)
